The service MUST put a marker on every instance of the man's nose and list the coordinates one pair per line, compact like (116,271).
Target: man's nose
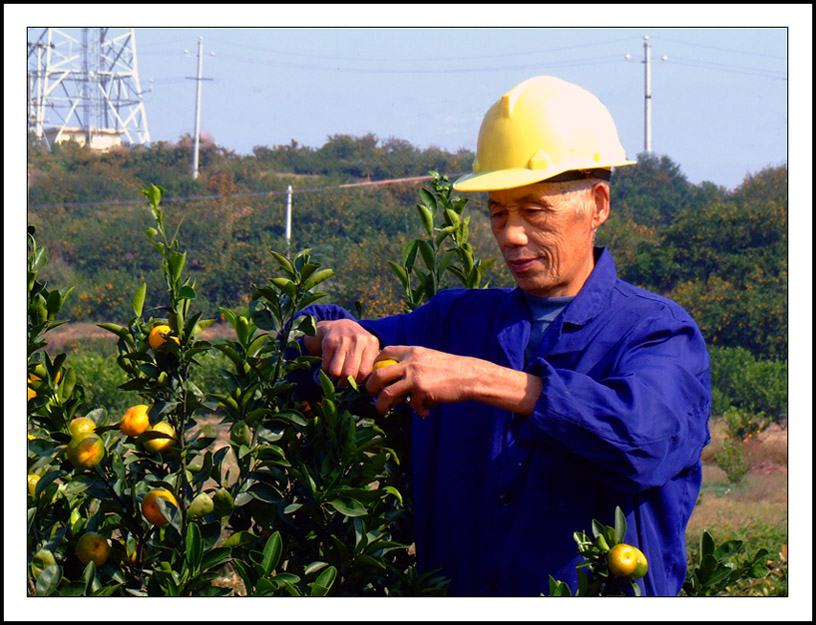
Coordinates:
(515,230)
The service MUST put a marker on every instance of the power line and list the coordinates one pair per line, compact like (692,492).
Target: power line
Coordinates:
(435,59)
(734,69)
(202,198)
(698,45)
(566,63)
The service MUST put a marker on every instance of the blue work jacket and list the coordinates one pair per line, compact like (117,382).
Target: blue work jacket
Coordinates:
(621,421)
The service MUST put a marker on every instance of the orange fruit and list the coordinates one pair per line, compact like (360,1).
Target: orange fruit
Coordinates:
(159,335)
(86,450)
(383,363)
(622,560)
(81,425)
(31,393)
(642,565)
(32,483)
(39,374)
(155,445)
(150,506)
(135,420)
(93,546)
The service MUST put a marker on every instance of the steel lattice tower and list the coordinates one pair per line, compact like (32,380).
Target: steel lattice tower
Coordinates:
(83,83)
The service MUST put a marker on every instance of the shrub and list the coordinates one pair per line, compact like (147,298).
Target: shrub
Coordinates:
(754,386)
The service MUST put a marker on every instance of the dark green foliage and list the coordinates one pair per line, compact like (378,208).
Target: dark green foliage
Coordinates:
(755,386)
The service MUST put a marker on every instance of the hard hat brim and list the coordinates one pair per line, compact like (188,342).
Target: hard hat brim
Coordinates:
(512,178)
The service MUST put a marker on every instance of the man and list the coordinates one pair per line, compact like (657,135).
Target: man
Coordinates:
(542,407)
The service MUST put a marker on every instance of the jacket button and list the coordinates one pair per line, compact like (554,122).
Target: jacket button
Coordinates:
(504,498)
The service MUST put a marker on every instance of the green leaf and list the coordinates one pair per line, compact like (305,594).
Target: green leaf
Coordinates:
(149,370)
(186,292)
(446,259)
(154,194)
(559,588)
(453,218)
(314,567)
(428,198)
(348,506)
(317,277)
(326,385)
(322,585)
(400,273)
(138,300)
(426,217)
(175,264)
(39,259)
(271,553)
(214,558)
(409,255)
(443,234)
(620,524)
(284,263)
(728,549)
(195,550)
(706,544)
(88,577)
(53,303)
(428,255)
(239,538)
(48,580)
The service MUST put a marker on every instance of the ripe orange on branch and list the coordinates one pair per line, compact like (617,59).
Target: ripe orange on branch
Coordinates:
(135,421)
(159,335)
(155,445)
(150,505)
(86,450)
(93,546)
(626,561)
(81,425)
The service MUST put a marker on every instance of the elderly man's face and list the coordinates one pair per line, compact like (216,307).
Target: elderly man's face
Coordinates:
(545,232)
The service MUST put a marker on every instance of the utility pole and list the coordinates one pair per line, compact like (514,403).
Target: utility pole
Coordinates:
(647,95)
(198,79)
(288,216)
(647,92)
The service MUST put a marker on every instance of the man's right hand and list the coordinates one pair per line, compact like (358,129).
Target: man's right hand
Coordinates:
(346,347)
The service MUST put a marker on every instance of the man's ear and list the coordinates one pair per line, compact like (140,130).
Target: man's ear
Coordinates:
(600,195)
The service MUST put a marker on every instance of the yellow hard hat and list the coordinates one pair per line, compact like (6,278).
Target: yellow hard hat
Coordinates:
(543,129)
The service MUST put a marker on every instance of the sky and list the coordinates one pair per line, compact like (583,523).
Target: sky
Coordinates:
(431,86)
(719,99)
(734,96)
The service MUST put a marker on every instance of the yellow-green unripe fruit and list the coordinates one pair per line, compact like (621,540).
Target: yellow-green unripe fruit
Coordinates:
(201,506)
(223,503)
(240,433)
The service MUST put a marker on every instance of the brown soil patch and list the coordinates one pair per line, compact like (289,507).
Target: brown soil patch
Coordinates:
(70,336)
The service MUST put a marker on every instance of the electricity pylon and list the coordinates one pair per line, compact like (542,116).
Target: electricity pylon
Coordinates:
(85,85)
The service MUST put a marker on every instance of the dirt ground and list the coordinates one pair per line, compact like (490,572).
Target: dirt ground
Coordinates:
(69,336)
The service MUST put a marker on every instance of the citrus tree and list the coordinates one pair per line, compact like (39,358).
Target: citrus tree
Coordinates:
(302,498)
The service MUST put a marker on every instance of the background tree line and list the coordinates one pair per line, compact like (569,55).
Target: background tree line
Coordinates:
(722,254)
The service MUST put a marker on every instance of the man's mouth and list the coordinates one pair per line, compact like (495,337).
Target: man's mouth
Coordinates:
(521,264)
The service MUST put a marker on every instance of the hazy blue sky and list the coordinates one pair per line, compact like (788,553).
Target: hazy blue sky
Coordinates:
(719,102)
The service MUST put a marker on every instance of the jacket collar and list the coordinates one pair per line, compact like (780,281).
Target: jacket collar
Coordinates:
(589,302)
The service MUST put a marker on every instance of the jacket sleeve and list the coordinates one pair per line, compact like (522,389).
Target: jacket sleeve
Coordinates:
(644,423)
